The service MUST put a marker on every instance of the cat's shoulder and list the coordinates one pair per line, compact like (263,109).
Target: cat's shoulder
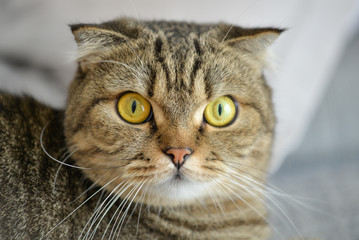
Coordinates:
(22,120)
(27,174)
(14,109)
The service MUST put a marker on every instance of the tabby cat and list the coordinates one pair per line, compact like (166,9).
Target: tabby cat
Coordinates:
(166,135)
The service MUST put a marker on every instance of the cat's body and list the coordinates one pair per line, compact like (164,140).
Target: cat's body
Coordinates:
(31,205)
(179,68)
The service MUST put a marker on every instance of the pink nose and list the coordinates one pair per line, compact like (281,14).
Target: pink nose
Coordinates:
(180,155)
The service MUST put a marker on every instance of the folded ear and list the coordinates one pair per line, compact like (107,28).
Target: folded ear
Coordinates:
(255,41)
(95,40)
(95,35)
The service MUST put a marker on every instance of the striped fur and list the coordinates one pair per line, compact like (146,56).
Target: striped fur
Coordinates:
(179,68)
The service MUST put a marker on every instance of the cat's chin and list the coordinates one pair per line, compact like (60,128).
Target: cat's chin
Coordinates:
(176,190)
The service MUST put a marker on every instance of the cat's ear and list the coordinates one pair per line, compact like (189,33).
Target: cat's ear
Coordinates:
(95,35)
(94,40)
(254,41)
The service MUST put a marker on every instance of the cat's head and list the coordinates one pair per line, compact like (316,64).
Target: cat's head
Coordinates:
(168,113)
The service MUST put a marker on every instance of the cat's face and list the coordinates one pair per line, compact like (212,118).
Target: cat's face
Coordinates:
(168,113)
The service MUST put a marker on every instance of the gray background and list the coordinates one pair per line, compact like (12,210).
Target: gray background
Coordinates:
(324,171)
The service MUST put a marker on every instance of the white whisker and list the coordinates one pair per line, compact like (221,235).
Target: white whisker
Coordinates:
(255,210)
(88,189)
(140,200)
(260,190)
(119,209)
(97,214)
(129,205)
(275,191)
(220,185)
(44,150)
(133,50)
(273,201)
(59,168)
(215,201)
(139,214)
(100,198)
(52,229)
(136,12)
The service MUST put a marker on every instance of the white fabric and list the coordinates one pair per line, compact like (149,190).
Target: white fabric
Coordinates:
(307,53)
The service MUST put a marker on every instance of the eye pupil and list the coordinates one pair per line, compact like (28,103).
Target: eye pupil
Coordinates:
(134,106)
(220,109)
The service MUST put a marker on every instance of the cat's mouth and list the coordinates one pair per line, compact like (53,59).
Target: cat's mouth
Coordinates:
(178,176)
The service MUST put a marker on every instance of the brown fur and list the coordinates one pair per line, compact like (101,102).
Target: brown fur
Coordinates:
(179,68)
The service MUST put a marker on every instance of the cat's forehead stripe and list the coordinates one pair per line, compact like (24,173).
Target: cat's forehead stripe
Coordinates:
(177,55)
(152,80)
(196,45)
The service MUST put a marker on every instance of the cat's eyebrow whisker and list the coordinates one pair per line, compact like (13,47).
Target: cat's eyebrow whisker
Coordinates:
(134,51)
(103,187)
(136,12)
(225,36)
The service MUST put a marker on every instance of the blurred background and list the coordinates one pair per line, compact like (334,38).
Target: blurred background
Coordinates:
(315,79)
(324,171)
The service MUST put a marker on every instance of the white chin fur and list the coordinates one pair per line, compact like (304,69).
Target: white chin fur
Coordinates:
(181,190)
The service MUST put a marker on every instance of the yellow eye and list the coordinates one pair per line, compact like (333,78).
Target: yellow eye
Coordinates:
(220,112)
(134,108)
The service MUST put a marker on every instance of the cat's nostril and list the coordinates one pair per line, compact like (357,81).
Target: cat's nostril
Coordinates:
(179,155)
